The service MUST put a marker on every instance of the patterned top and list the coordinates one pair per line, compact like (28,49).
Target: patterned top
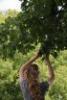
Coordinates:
(44,86)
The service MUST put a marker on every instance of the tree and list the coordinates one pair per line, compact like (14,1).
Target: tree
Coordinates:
(9,36)
(41,22)
(2,17)
(46,21)
(14,38)
(11,13)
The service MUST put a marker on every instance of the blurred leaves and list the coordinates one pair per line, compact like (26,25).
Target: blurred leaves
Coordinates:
(46,20)
(9,78)
(41,22)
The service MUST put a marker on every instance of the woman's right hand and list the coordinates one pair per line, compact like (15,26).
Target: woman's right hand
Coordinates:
(38,54)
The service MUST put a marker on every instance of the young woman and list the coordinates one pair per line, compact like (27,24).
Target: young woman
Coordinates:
(30,86)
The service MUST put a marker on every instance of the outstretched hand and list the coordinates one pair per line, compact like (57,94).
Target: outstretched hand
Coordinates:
(38,54)
(47,57)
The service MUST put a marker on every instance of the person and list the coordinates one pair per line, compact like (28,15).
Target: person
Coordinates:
(30,86)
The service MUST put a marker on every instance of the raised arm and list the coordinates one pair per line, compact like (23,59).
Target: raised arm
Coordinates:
(28,63)
(51,75)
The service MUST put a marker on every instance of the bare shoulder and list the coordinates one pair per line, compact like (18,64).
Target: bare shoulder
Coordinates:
(23,73)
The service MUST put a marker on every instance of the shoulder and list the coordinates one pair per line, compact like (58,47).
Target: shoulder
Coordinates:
(23,74)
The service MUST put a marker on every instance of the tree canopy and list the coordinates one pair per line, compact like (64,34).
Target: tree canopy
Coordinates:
(46,22)
(40,22)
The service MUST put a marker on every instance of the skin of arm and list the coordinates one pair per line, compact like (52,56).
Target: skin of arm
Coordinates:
(27,64)
(51,75)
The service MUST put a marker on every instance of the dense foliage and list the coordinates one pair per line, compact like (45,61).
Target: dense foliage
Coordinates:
(9,34)
(9,81)
(42,23)
(46,22)
(12,37)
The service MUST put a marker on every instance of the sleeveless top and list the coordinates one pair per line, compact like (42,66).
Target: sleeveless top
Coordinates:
(25,90)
